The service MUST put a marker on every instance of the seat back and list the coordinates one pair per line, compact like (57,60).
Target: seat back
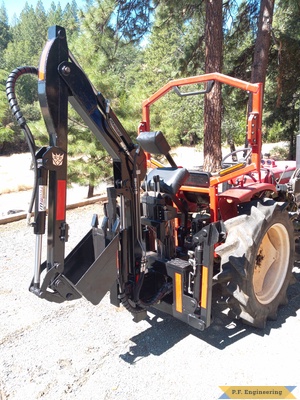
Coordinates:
(170,179)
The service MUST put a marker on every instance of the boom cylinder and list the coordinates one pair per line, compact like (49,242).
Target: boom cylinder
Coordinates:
(39,224)
(40,199)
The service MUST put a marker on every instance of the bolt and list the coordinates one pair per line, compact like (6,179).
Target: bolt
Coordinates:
(193,303)
(66,70)
(61,34)
(57,282)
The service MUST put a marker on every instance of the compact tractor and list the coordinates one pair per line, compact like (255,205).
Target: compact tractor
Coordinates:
(170,236)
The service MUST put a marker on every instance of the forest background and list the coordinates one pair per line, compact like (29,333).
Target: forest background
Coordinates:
(129,49)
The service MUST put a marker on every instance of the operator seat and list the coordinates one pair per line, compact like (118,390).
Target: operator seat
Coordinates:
(166,179)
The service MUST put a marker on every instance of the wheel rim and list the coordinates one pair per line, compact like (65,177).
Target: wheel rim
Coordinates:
(272,263)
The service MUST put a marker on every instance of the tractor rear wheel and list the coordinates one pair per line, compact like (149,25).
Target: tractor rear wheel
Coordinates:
(256,261)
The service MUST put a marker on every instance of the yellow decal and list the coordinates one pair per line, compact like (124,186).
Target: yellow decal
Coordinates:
(204,287)
(178,292)
(257,392)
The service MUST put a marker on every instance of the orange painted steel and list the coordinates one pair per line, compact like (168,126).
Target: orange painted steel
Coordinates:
(255,117)
(249,87)
(254,129)
(213,189)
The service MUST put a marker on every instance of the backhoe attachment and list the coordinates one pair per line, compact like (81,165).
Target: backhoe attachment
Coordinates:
(90,269)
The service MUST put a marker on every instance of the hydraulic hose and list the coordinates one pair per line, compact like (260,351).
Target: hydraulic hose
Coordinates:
(163,291)
(16,111)
(126,303)
(143,304)
(10,91)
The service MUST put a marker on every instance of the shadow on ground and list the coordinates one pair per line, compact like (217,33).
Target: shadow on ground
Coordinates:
(165,331)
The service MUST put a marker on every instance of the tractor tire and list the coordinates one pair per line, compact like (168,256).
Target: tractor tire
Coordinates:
(256,261)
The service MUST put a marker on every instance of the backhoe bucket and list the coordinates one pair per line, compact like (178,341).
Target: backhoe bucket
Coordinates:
(85,273)
(92,277)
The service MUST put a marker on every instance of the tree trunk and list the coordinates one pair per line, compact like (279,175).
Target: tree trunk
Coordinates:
(262,44)
(213,100)
(91,185)
(90,191)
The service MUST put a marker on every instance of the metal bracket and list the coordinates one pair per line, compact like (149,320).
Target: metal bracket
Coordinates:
(208,89)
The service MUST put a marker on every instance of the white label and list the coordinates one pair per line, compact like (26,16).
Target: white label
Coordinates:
(42,206)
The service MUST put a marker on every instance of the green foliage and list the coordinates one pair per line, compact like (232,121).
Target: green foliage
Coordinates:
(133,19)
(239,41)
(67,17)
(280,153)
(234,125)
(167,56)
(55,14)
(275,133)
(6,126)
(28,38)
(89,162)
(282,98)
(5,35)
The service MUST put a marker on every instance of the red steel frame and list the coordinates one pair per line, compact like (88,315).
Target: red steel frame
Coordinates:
(254,129)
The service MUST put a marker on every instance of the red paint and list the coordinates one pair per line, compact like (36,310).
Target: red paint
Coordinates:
(61,196)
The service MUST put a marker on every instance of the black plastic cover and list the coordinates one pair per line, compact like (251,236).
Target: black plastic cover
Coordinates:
(154,142)
(170,179)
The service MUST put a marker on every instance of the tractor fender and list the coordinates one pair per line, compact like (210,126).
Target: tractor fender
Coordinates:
(230,198)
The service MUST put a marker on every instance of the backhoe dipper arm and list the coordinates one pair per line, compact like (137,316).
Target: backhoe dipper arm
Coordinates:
(61,80)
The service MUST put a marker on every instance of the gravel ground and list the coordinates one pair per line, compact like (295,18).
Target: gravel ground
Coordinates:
(79,351)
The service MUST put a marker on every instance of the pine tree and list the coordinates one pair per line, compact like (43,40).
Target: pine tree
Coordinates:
(262,43)
(70,18)
(239,41)
(5,34)
(173,50)
(282,97)
(104,60)
(7,133)
(55,15)
(28,38)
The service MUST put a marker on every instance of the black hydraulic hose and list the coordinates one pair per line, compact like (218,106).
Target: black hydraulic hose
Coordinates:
(10,91)
(16,111)
(143,304)
(126,303)
(163,291)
